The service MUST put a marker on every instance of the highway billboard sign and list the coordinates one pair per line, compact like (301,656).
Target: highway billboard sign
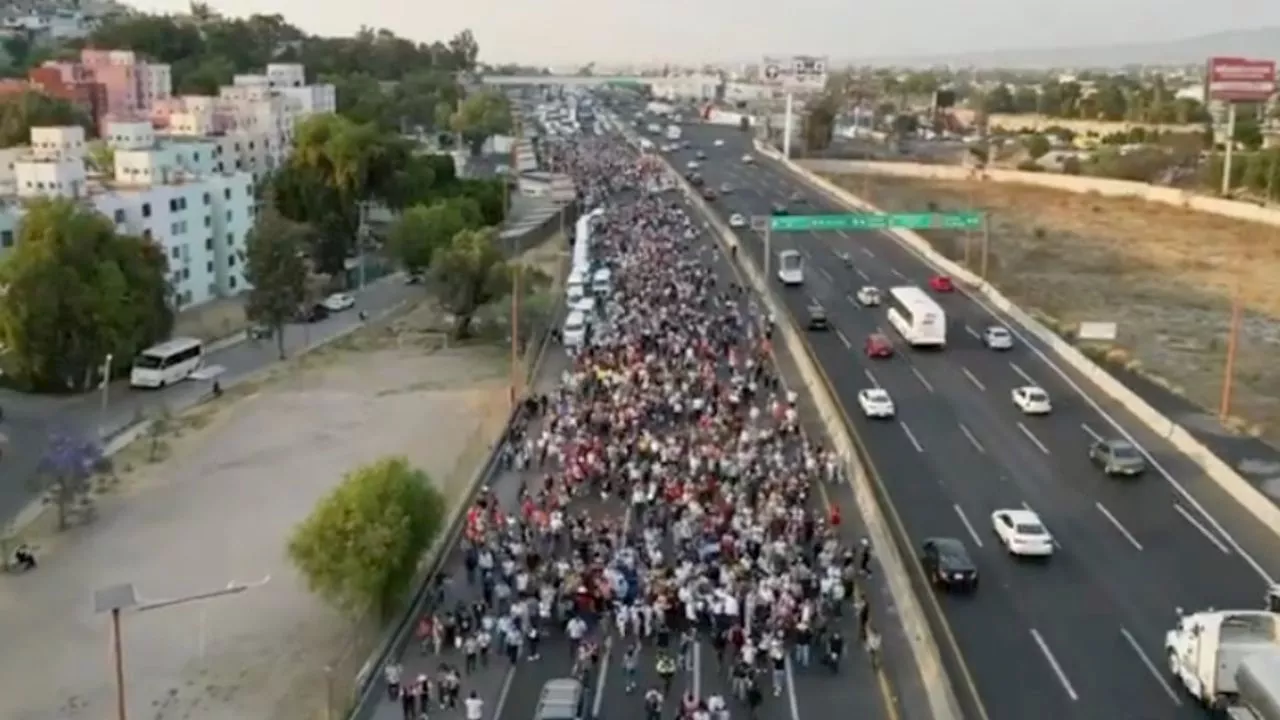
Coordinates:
(794,71)
(1234,79)
(876,221)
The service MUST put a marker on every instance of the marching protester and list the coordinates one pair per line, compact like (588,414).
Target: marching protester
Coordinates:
(672,413)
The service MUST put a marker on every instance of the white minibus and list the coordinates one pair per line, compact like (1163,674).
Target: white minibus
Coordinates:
(575,329)
(602,282)
(790,267)
(917,317)
(166,363)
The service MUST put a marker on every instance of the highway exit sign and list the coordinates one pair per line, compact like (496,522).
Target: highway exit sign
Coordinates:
(876,221)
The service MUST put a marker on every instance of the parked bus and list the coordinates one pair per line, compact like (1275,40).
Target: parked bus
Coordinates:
(790,267)
(167,363)
(917,317)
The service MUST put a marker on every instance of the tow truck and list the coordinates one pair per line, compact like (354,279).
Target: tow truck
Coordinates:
(1229,660)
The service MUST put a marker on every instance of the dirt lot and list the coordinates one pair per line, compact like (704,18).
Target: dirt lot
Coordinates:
(225,486)
(1166,275)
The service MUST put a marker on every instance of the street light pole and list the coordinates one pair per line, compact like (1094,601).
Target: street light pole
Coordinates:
(515,282)
(986,243)
(768,252)
(106,395)
(117,598)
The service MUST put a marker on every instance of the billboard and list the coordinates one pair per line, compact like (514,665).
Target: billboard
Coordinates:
(794,70)
(1233,79)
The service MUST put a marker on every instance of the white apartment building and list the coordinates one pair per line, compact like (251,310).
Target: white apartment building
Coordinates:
(167,189)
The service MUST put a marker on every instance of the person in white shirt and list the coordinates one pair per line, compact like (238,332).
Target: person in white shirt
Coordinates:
(474,707)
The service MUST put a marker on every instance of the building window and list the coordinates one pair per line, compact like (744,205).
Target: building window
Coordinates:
(226,193)
(231,282)
(177,253)
(208,243)
(231,260)
(146,210)
(119,216)
(231,239)
(208,267)
(6,238)
(207,199)
(146,234)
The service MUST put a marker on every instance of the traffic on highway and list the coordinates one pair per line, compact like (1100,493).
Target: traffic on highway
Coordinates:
(1072,534)
(655,545)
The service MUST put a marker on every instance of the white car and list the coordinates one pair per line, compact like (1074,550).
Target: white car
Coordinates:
(692,165)
(737,221)
(1032,400)
(869,295)
(997,337)
(748,159)
(338,302)
(1022,533)
(876,403)
(719,142)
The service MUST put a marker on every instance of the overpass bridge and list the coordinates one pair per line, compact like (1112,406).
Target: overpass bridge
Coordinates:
(573,80)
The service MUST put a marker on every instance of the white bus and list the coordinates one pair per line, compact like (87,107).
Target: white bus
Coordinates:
(167,363)
(917,317)
(790,267)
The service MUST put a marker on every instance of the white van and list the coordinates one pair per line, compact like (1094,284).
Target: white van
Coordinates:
(602,282)
(576,286)
(167,363)
(575,329)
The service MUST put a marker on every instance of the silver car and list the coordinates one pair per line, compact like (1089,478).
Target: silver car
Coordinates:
(997,338)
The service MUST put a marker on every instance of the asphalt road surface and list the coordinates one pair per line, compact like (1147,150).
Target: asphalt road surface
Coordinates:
(1080,636)
(511,693)
(28,420)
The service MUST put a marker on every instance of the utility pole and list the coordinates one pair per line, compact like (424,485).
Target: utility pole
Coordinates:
(1229,146)
(115,599)
(515,270)
(1233,343)
(362,231)
(106,395)
(986,243)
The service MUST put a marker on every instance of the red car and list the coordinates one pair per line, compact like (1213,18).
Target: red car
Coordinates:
(941,283)
(708,194)
(878,346)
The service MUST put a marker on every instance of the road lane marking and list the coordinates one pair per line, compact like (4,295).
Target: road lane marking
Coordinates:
(1118,525)
(697,671)
(1090,432)
(604,673)
(972,332)
(813,300)
(968,526)
(853,301)
(911,437)
(1053,664)
(792,705)
(867,252)
(1032,437)
(1203,530)
(872,378)
(973,379)
(843,234)
(805,252)
(863,275)
(1022,373)
(920,377)
(895,271)
(1151,667)
(972,440)
(505,691)
(826,275)
(845,340)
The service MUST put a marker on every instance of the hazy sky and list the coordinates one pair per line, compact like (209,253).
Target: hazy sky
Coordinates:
(576,31)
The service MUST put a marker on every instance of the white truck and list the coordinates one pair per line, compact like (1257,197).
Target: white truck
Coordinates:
(1229,660)
(673,132)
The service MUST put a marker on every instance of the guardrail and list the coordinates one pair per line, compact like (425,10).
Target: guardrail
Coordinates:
(896,552)
(1244,492)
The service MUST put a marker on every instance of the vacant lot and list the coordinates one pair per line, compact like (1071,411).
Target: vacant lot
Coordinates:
(1166,275)
(215,503)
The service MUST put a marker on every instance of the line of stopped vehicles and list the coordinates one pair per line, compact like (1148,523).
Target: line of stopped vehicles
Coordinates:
(1228,661)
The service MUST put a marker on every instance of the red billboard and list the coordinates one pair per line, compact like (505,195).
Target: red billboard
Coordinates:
(1233,79)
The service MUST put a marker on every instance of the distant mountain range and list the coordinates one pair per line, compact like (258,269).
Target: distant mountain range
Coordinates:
(1255,43)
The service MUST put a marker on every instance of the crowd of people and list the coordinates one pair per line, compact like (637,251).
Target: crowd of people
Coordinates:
(667,492)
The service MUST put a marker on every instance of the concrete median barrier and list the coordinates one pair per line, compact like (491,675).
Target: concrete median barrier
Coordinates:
(1244,492)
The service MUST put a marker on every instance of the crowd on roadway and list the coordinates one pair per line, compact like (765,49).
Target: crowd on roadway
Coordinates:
(673,415)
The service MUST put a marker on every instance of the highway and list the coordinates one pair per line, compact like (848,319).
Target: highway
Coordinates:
(1080,636)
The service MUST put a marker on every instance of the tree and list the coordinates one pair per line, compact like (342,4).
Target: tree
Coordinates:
(818,126)
(65,476)
(77,292)
(359,548)
(422,230)
(276,266)
(1038,146)
(19,113)
(480,116)
(470,272)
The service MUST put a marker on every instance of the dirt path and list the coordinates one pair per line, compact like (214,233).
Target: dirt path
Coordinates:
(1164,274)
(230,485)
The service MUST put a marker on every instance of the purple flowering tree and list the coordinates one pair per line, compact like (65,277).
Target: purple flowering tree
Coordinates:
(66,473)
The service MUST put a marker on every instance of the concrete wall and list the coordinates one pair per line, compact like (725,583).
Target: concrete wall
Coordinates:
(1234,209)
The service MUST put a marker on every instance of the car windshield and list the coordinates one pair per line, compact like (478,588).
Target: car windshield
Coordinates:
(878,396)
(1037,396)
(998,333)
(1030,528)
(147,361)
(953,553)
(1125,452)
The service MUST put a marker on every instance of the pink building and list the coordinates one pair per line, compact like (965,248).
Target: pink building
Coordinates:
(130,87)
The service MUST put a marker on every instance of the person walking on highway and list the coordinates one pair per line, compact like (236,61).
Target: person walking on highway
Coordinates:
(666,668)
(474,707)
(391,673)
(630,663)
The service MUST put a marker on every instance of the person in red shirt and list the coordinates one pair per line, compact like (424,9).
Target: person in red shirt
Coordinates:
(834,516)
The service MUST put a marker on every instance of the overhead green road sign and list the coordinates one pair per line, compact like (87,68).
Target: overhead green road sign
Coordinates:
(874,221)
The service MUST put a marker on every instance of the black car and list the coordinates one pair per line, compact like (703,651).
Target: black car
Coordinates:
(695,179)
(948,566)
(818,318)
(708,194)
(313,314)
(1118,457)
(779,209)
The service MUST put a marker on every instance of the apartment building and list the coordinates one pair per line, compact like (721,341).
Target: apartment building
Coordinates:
(167,189)
(252,120)
(129,87)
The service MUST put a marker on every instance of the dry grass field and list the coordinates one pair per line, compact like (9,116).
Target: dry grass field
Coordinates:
(1164,274)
